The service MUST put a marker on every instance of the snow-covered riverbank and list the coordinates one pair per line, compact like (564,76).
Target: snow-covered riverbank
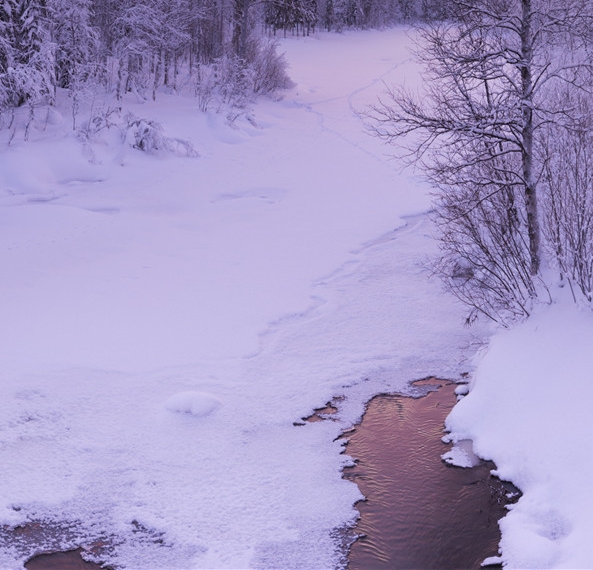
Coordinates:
(166,320)
(529,411)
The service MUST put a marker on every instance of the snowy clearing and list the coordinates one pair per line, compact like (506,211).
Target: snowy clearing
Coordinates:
(166,320)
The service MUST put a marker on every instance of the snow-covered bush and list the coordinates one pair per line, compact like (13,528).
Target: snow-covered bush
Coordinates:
(268,69)
(205,86)
(101,119)
(148,136)
(231,81)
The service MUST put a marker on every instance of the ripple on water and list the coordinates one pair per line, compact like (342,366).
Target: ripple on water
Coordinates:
(419,513)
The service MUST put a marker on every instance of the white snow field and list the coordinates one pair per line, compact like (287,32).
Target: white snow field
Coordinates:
(166,320)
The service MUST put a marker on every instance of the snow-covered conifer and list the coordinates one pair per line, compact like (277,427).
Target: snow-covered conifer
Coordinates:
(25,53)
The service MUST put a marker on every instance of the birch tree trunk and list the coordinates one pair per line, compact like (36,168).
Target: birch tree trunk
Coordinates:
(527,158)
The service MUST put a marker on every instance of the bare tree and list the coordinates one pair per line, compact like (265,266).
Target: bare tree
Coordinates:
(484,258)
(567,179)
(489,71)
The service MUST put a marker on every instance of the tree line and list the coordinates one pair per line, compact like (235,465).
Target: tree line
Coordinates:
(336,15)
(218,48)
(503,127)
(503,131)
(123,46)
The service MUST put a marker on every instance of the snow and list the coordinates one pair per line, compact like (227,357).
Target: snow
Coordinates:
(529,411)
(193,402)
(492,560)
(166,320)
(461,454)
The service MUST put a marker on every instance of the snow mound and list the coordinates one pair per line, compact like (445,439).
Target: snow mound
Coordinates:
(193,402)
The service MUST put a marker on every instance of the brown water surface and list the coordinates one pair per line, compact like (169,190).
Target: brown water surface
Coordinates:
(70,560)
(56,545)
(419,512)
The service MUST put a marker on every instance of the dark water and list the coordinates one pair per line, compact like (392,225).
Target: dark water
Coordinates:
(55,545)
(419,513)
(60,561)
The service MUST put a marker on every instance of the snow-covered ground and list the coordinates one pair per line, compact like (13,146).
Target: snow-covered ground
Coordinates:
(529,410)
(166,320)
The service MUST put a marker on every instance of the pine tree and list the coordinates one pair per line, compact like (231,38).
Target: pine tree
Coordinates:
(6,54)
(25,52)
(76,40)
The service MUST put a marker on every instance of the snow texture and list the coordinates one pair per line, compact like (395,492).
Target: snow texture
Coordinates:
(270,274)
(521,413)
(193,402)
(167,320)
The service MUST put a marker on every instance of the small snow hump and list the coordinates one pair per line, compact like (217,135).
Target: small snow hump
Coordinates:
(193,402)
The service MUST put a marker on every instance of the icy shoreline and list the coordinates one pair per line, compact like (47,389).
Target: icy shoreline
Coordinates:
(419,513)
(166,320)
(518,415)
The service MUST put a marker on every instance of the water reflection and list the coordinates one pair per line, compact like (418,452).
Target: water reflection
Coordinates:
(419,513)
